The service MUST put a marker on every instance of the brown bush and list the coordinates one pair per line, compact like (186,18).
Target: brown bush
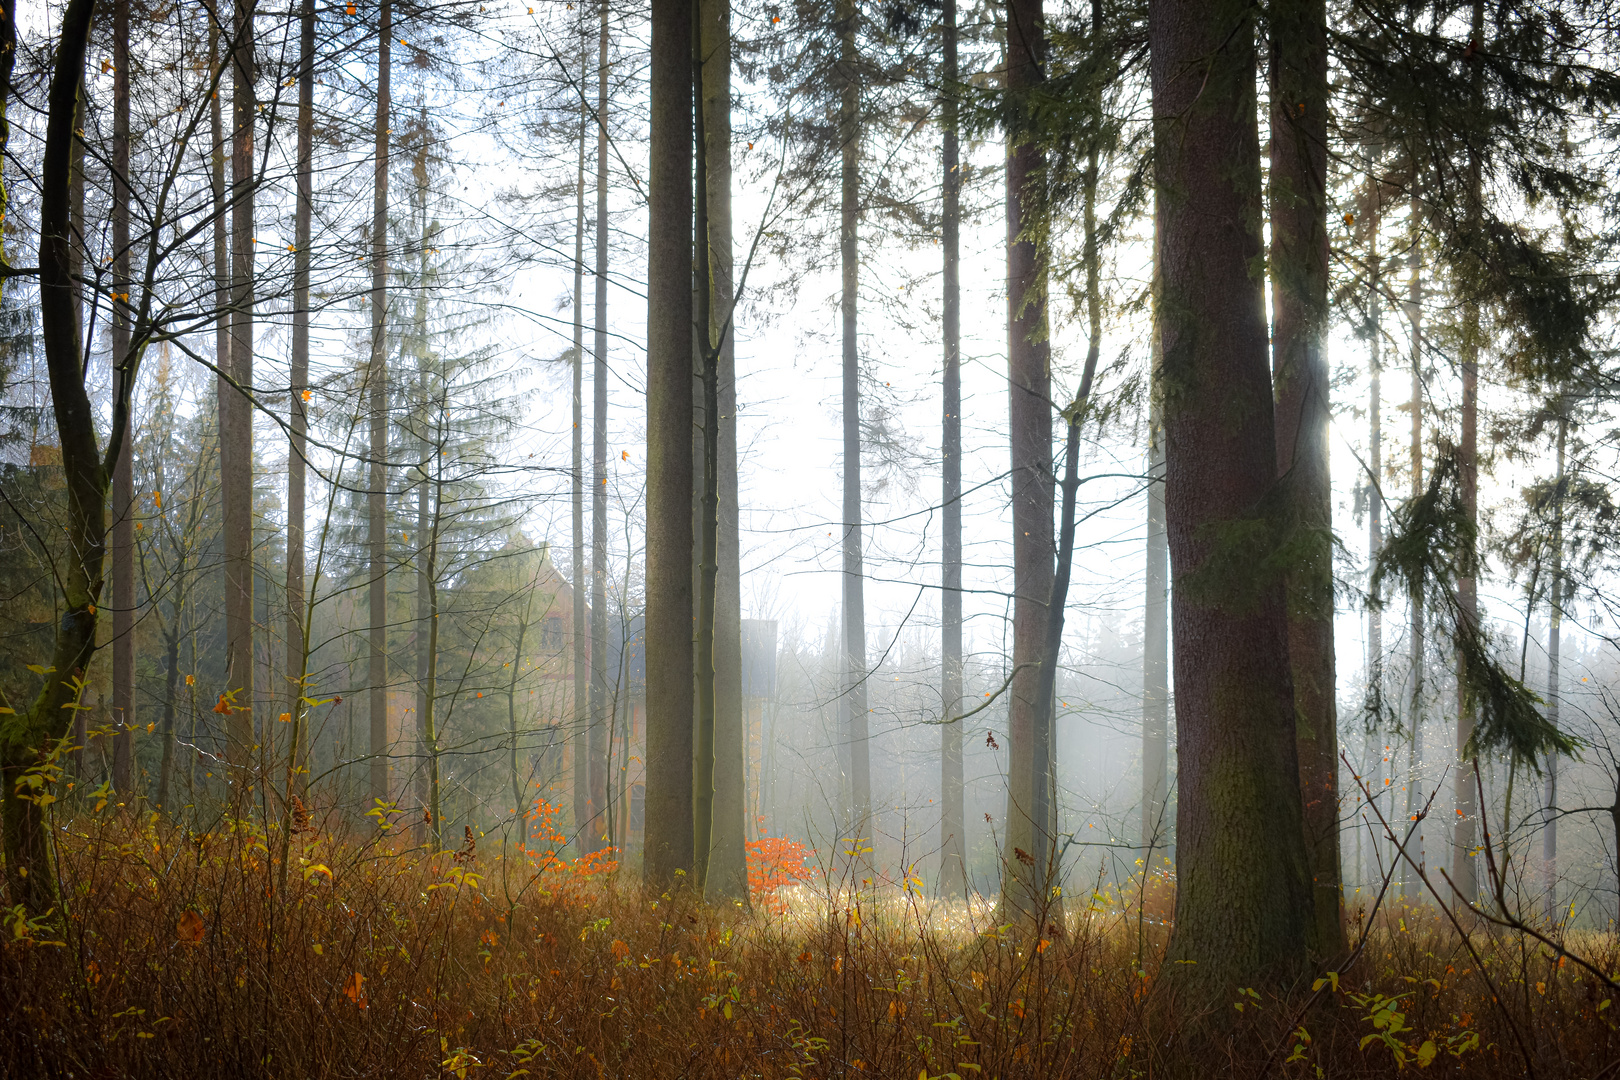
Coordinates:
(183,954)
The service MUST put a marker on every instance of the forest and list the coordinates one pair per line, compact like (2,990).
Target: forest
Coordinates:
(810,538)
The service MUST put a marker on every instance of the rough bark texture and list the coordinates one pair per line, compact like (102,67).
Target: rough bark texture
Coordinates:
(727,876)
(1299,288)
(952,821)
(123,479)
(599,632)
(27,737)
(854,697)
(235,410)
(705,484)
(377,391)
(669,609)
(1029,392)
(1243,891)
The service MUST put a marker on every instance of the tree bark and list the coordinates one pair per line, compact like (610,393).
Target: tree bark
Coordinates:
(26,739)
(1156,616)
(599,718)
(1555,630)
(592,749)
(1243,888)
(1299,293)
(727,877)
(1464,826)
(669,609)
(236,411)
(297,410)
(377,390)
(858,814)
(1030,426)
(1415,659)
(953,881)
(123,479)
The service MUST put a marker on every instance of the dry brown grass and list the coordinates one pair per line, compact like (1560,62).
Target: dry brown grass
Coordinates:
(183,956)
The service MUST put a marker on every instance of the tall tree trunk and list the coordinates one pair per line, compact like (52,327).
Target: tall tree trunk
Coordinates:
(1243,887)
(520,797)
(1299,293)
(858,814)
(1464,826)
(1375,509)
(1555,629)
(171,687)
(706,484)
(1375,453)
(377,388)
(953,817)
(1030,426)
(1414,793)
(123,479)
(589,751)
(599,712)
(77,232)
(427,447)
(669,609)
(1156,613)
(25,738)
(297,410)
(236,411)
(727,876)
(1048,868)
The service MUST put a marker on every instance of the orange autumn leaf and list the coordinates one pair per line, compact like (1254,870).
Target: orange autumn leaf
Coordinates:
(190,928)
(355,989)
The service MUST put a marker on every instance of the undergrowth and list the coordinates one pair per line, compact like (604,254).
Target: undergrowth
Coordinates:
(186,953)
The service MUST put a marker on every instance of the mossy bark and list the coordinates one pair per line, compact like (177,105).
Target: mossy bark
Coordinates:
(27,738)
(1243,894)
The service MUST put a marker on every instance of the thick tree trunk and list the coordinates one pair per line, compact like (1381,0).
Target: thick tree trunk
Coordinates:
(27,738)
(1299,293)
(858,814)
(298,411)
(727,877)
(123,479)
(599,717)
(1243,890)
(953,881)
(1465,822)
(706,487)
(236,411)
(1030,427)
(377,390)
(669,609)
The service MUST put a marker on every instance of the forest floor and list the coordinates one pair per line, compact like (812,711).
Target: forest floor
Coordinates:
(236,953)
